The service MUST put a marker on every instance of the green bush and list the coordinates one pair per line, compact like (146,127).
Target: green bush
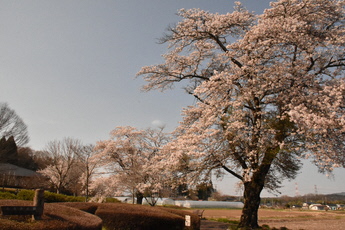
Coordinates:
(26,195)
(51,197)
(111,200)
(75,199)
(7,196)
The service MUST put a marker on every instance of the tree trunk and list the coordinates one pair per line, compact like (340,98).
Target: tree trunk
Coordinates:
(140,197)
(249,218)
(87,185)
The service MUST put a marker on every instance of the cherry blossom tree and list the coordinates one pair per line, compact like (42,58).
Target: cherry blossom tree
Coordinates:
(63,155)
(131,156)
(103,187)
(270,91)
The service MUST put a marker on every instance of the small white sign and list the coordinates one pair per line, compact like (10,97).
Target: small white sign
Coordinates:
(187,222)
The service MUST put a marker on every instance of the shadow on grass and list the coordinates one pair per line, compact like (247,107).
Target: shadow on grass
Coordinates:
(233,224)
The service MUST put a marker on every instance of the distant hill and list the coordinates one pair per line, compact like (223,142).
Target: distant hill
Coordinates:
(337,194)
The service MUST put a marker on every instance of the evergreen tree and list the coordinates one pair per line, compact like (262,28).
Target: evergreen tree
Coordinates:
(8,150)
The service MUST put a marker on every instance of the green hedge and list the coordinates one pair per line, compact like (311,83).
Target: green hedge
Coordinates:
(26,195)
(7,196)
(49,197)
(53,197)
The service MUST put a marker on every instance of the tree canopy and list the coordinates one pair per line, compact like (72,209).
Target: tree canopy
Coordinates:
(270,91)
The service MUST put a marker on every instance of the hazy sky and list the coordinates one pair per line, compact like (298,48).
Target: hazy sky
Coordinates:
(67,67)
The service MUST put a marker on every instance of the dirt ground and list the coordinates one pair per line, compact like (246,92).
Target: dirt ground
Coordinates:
(291,219)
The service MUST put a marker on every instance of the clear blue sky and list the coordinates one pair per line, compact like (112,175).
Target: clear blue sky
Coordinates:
(67,67)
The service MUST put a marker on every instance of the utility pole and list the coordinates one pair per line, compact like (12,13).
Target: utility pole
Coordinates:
(296,190)
(315,188)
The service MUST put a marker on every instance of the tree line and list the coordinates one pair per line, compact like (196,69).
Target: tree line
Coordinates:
(127,163)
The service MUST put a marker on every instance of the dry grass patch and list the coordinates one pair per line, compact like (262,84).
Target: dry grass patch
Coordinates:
(290,219)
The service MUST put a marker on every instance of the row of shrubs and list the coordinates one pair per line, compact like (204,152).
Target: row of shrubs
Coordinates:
(49,197)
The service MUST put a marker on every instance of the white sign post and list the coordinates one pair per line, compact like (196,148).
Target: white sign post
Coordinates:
(187,222)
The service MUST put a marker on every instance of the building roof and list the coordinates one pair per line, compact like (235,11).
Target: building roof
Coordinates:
(10,169)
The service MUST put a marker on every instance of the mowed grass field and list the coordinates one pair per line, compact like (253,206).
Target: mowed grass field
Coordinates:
(291,219)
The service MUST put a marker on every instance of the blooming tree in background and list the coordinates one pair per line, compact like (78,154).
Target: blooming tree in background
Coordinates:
(103,187)
(269,88)
(131,156)
(63,157)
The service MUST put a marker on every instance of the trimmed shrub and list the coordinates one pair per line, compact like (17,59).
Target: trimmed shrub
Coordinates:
(126,216)
(74,199)
(81,220)
(26,195)
(111,200)
(86,207)
(138,217)
(51,197)
(7,196)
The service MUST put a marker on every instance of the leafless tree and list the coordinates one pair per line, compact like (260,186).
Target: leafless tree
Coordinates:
(12,125)
(89,163)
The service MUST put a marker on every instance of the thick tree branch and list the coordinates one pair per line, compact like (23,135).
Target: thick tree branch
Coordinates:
(232,172)
(222,46)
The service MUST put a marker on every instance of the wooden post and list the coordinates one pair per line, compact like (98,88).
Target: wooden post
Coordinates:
(39,204)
